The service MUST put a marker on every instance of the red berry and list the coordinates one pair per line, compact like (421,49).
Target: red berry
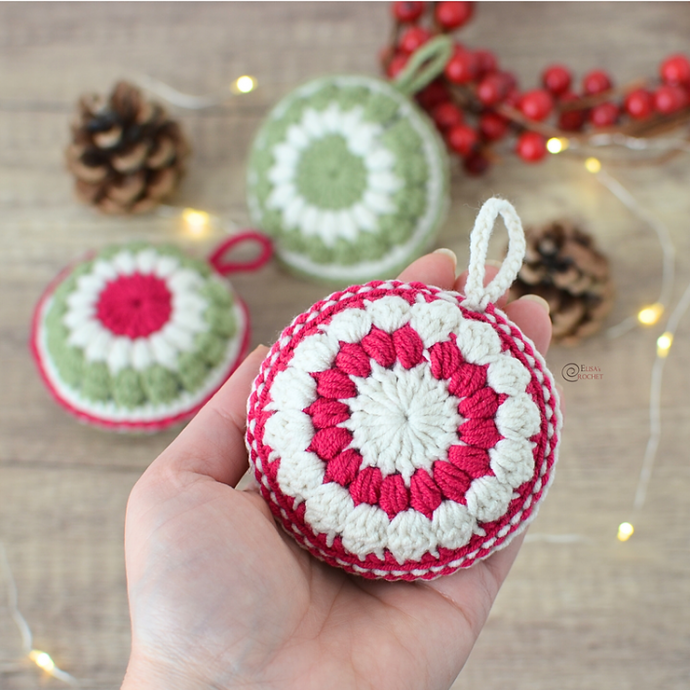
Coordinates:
(536,104)
(397,64)
(531,147)
(432,95)
(462,68)
(513,98)
(413,38)
(493,126)
(446,115)
(487,62)
(639,104)
(596,82)
(493,89)
(556,79)
(407,11)
(675,70)
(669,99)
(476,164)
(463,139)
(451,15)
(604,114)
(571,120)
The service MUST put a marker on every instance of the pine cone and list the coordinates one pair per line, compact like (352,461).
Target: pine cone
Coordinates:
(126,153)
(563,265)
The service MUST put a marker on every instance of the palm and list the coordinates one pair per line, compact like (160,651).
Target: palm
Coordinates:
(220,596)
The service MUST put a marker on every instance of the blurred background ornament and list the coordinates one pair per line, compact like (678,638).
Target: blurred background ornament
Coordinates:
(127,154)
(138,337)
(350,176)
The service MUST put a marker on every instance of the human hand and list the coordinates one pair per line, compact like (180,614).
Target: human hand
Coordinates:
(220,597)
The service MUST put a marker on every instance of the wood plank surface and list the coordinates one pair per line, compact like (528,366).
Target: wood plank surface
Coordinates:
(580,610)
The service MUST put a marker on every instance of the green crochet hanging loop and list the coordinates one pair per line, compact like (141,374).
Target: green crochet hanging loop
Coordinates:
(424,65)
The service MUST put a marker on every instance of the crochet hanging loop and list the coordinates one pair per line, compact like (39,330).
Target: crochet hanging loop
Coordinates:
(477,295)
(218,258)
(426,63)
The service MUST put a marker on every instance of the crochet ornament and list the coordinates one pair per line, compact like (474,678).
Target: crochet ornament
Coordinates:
(350,176)
(400,431)
(139,337)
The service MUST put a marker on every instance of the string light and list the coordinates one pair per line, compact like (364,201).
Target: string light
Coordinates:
(663,344)
(239,86)
(625,531)
(197,222)
(244,84)
(649,315)
(42,659)
(557,144)
(593,165)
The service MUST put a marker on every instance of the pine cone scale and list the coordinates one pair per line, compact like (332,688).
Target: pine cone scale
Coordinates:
(126,154)
(563,265)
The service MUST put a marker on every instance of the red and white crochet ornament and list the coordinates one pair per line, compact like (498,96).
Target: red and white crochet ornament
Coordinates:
(138,337)
(400,431)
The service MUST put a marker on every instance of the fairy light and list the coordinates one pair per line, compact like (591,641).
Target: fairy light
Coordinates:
(197,222)
(593,165)
(43,660)
(650,314)
(663,344)
(557,144)
(244,84)
(625,531)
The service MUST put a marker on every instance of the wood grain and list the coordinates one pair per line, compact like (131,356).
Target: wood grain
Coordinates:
(580,610)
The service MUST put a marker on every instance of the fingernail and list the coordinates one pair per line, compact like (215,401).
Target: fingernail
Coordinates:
(538,300)
(450,254)
(494,263)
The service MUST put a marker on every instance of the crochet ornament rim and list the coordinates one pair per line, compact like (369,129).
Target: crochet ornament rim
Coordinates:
(138,337)
(400,431)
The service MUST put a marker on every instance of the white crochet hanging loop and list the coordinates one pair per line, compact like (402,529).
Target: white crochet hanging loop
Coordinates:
(477,295)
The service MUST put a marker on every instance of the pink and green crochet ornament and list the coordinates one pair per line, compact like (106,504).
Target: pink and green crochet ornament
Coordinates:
(400,431)
(138,337)
(349,176)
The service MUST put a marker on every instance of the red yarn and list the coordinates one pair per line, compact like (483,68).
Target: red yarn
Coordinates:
(134,305)
(366,488)
(223,267)
(449,478)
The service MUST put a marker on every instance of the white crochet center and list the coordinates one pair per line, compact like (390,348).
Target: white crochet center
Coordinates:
(367,529)
(402,419)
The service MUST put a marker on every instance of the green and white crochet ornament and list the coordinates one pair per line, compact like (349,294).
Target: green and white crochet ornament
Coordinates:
(138,337)
(349,176)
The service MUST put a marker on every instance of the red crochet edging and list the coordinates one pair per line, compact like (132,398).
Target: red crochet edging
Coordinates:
(448,561)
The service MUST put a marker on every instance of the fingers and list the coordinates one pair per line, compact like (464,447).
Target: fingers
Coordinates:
(531,316)
(433,269)
(212,444)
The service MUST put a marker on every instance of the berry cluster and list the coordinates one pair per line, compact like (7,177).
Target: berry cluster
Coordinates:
(476,103)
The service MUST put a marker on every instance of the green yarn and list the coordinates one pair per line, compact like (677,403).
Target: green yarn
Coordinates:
(192,370)
(154,384)
(127,388)
(221,320)
(211,347)
(161,384)
(96,382)
(329,176)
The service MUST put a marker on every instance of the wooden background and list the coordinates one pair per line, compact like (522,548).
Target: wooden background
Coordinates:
(580,610)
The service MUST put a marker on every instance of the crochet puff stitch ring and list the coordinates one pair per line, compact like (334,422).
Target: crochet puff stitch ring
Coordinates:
(350,177)
(400,431)
(138,337)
